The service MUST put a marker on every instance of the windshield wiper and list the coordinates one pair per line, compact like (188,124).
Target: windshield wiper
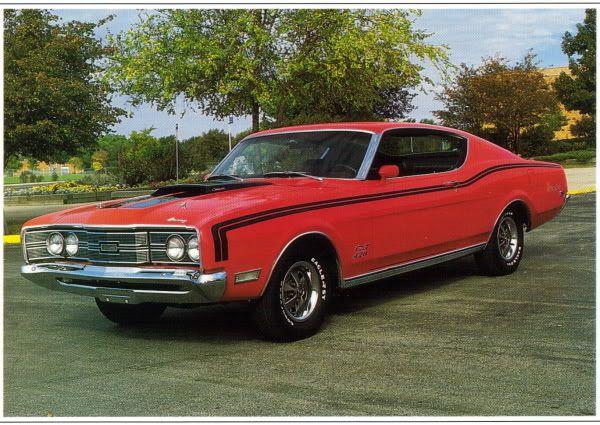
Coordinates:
(225,177)
(291,174)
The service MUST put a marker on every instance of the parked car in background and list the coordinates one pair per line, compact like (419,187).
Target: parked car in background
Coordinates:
(293,214)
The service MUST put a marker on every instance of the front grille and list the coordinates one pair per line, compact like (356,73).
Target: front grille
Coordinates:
(115,246)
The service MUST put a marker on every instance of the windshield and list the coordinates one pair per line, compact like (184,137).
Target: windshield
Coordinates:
(337,154)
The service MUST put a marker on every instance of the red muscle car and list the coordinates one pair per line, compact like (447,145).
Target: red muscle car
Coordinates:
(292,214)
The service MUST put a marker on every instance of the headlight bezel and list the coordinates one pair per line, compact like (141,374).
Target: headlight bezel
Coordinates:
(194,240)
(49,243)
(66,247)
(183,247)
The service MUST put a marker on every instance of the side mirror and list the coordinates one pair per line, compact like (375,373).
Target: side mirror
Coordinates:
(389,171)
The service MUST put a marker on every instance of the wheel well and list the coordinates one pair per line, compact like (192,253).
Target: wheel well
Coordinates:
(520,208)
(321,244)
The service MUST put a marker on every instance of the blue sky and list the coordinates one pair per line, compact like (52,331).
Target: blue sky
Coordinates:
(470,33)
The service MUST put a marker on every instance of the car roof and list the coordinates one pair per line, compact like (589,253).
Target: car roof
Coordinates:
(373,127)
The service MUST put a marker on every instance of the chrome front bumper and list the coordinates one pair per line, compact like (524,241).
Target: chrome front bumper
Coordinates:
(129,285)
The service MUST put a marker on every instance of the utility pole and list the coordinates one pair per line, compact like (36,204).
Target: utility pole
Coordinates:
(229,130)
(177,153)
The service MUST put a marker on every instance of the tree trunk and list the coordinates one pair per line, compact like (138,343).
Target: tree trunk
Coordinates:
(516,134)
(255,117)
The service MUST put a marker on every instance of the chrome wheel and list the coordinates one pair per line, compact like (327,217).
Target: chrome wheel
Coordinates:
(508,238)
(300,290)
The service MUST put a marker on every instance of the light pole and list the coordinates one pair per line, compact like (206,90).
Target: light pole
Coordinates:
(177,153)
(229,130)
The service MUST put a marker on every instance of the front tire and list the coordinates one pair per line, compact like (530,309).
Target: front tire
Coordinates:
(130,314)
(295,301)
(504,250)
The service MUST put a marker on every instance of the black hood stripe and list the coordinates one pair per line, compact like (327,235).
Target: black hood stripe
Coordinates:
(219,230)
(179,191)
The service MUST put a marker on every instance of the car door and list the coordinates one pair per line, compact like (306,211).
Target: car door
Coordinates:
(423,212)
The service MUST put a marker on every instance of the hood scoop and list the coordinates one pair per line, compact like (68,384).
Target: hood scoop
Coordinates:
(189,190)
(181,191)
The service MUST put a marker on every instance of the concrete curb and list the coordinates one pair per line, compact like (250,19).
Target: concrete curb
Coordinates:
(582,191)
(12,239)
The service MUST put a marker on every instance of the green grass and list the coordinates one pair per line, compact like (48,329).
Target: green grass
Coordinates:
(63,178)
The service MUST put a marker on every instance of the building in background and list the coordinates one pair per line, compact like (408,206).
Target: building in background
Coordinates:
(551,74)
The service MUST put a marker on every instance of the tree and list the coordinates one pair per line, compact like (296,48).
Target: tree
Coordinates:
(578,90)
(537,139)
(54,104)
(76,163)
(113,145)
(99,158)
(497,100)
(146,158)
(273,63)
(12,163)
(203,152)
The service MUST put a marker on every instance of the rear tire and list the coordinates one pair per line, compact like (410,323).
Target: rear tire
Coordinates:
(130,314)
(504,250)
(296,299)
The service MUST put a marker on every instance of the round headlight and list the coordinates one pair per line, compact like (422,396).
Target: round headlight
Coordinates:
(193,249)
(175,248)
(55,243)
(71,244)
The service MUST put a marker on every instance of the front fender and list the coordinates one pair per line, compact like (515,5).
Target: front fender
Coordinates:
(260,245)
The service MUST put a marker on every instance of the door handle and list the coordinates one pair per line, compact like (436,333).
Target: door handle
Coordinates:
(451,183)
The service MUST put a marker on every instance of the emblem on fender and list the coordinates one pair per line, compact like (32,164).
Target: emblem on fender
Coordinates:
(361,251)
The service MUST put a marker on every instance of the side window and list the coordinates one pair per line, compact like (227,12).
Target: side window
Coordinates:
(419,151)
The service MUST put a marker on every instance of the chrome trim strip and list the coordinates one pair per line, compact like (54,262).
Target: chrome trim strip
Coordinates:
(294,239)
(252,136)
(566,201)
(466,139)
(314,130)
(363,171)
(189,285)
(142,227)
(410,266)
(500,214)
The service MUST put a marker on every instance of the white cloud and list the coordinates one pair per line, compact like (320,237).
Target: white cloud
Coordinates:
(475,33)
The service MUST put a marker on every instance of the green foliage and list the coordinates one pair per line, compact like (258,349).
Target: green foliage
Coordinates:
(282,64)
(578,91)
(112,144)
(26,177)
(201,153)
(54,104)
(579,156)
(498,101)
(12,162)
(98,179)
(76,163)
(54,176)
(537,139)
(146,158)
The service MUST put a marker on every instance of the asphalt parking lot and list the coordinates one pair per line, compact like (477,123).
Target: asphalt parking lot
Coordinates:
(444,341)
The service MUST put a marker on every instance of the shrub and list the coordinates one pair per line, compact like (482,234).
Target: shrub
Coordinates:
(97,179)
(579,156)
(54,176)
(26,176)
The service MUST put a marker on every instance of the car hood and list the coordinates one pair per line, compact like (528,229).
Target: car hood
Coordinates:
(196,205)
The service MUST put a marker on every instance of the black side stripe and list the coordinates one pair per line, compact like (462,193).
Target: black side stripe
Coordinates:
(219,230)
